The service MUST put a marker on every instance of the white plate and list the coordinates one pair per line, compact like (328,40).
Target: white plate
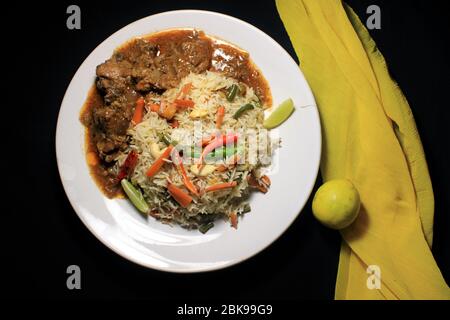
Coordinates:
(149,243)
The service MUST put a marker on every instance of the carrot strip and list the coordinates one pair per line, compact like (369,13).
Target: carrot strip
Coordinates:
(154,107)
(179,195)
(180,167)
(138,111)
(154,168)
(185,90)
(233,219)
(184,103)
(220,116)
(221,186)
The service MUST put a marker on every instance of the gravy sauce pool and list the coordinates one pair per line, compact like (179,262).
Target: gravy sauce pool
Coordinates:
(222,57)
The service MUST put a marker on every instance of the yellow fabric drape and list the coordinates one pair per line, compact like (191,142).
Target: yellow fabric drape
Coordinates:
(369,137)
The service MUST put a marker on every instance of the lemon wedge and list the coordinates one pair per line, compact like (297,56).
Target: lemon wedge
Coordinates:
(280,114)
(135,196)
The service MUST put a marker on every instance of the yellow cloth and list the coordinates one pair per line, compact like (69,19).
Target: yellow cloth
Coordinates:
(369,137)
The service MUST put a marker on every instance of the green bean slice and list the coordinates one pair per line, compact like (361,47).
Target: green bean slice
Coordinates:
(232,91)
(242,109)
(166,140)
(205,227)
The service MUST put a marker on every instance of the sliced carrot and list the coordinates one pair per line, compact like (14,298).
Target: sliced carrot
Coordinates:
(234,219)
(138,111)
(92,158)
(185,90)
(184,103)
(188,183)
(180,167)
(179,195)
(154,168)
(154,107)
(219,117)
(221,186)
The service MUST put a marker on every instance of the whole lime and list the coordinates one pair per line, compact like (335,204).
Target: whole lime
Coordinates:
(336,204)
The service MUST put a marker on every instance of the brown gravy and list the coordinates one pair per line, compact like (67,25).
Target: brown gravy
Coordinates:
(223,57)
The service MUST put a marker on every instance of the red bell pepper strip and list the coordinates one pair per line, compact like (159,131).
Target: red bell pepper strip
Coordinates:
(128,166)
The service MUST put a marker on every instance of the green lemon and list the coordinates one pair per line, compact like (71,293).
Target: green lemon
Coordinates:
(336,204)
(280,114)
(135,196)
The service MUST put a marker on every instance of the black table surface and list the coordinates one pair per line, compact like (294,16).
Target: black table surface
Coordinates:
(44,234)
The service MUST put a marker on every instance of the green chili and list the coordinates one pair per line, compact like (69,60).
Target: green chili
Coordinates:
(232,91)
(242,109)
(135,196)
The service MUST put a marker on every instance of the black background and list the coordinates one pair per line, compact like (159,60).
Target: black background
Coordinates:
(43,235)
